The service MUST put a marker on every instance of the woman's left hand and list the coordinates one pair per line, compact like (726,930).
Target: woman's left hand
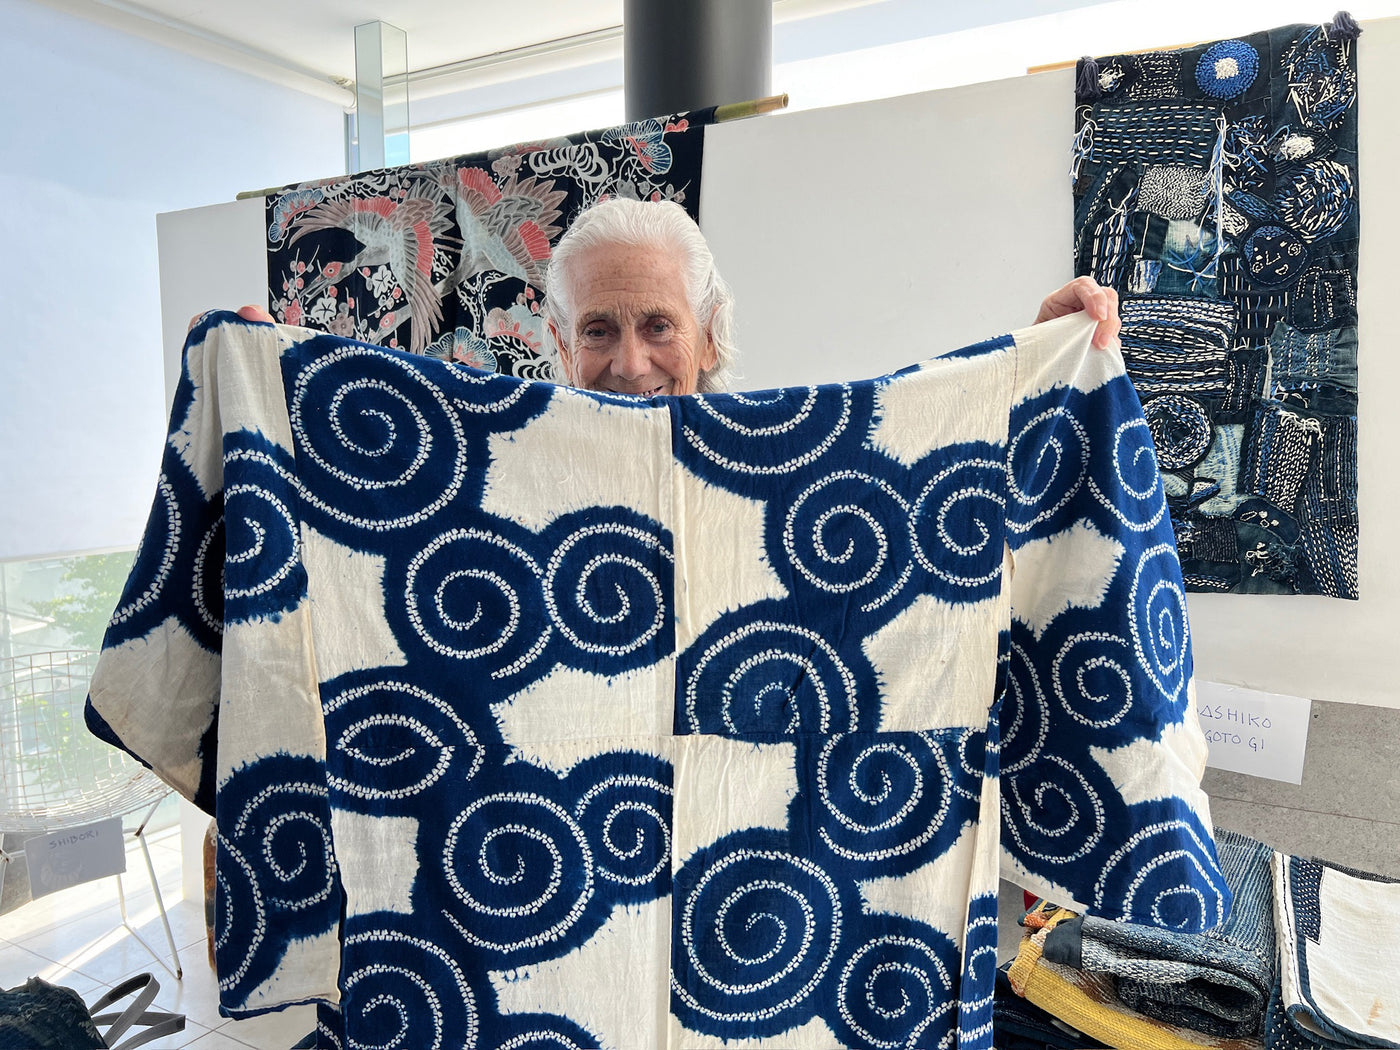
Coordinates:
(1100,303)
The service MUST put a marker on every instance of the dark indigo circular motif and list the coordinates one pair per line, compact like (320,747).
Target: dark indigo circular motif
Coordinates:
(1227,69)
(1274,255)
(1180,429)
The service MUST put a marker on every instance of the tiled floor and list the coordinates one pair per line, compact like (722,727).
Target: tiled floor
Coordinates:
(75,938)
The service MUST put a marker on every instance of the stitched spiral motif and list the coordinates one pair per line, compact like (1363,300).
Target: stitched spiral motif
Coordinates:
(474,595)
(607,588)
(1180,428)
(1055,814)
(406,993)
(373,432)
(261,543)
(1093,678)
(766,434)
(1025,713)
(626,819)
(884,799)
(155,557)
(758,931)
(766,676)
(956,524)
(520,869)
(1049,460)
(278,875)
(1128,483)
(842,535)
(542,1032)
(1157,620)
(1172,885)
(895,990)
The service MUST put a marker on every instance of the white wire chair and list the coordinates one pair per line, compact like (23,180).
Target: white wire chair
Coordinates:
(55,775)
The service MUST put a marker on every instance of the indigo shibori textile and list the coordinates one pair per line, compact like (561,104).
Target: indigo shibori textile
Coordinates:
(448,257)
(1215,188)
(532,716)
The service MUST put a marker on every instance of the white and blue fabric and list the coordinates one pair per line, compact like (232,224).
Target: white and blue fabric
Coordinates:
(534,717)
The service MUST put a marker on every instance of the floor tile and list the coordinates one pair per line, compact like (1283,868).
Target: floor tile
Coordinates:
(18,964)
(275,1031)
(219,1040)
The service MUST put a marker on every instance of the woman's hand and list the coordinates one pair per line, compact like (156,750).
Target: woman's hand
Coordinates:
(1100,303)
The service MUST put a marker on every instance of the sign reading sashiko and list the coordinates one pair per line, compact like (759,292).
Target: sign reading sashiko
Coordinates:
(535,717)
(448,257)
(1215,188)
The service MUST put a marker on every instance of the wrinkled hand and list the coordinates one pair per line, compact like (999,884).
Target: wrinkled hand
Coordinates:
(248,313)
(1100,303)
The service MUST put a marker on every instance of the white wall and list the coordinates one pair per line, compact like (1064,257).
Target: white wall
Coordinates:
(99,131)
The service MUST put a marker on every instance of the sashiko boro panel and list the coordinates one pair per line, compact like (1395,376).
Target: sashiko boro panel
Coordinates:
(448,257)
(1215,188)
(537,717)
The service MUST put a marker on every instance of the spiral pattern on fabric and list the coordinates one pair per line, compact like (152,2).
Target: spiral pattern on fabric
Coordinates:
(1158,622)
(758,931)
(368,428)
(240,916)
(520,869)
(1052,811)
(474,595)
(1143,882)
(207,579)
(405,993)
(285,822)
(626,819)
(155,557)
(1093,678)
(1049,461)
(1025,714)
(607,587)
(956,523)
(262,553)
(544,1032)
(768,675)
(802,422)
(1180,429)
(896,990)
(392,740)
(1132,491)
(844,535)
(884,797)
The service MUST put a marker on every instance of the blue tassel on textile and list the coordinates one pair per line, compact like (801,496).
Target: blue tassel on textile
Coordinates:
(1086,83)
(1343,27)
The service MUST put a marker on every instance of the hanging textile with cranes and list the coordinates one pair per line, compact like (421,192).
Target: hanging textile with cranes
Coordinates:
(448,257)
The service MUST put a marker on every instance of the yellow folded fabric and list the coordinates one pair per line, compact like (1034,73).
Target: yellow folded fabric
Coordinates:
(1087,1000)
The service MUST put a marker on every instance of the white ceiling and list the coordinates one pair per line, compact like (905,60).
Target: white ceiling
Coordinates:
(310,44)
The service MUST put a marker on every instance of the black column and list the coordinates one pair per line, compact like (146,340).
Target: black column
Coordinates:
(688,54)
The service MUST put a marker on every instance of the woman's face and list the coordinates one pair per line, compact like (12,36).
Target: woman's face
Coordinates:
(632,330)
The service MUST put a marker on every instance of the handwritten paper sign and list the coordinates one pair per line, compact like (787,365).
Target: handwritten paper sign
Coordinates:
(74,855)
(1262,734)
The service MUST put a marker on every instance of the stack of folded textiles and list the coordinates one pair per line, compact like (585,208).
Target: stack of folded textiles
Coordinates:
(1305,960)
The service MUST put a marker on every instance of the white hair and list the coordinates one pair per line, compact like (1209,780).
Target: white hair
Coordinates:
(659,224)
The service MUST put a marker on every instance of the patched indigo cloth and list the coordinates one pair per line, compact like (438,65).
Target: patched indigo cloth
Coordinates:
(528,713)
(1217,981)
(1215,189)
(1337,933)
(1088,1000)
(448,257)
